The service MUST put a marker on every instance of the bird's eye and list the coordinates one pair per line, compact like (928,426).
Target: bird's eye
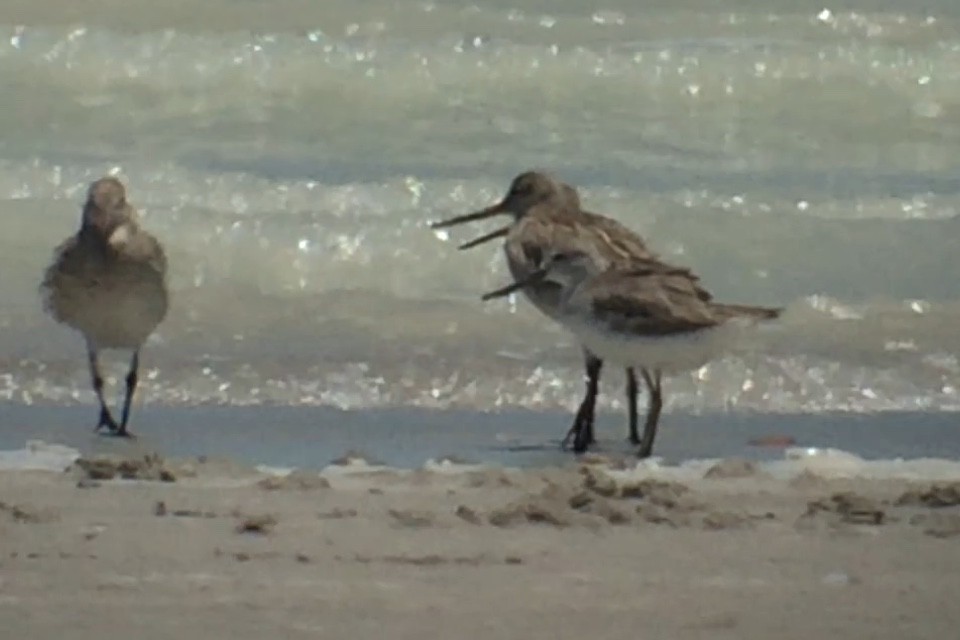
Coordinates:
(520,189)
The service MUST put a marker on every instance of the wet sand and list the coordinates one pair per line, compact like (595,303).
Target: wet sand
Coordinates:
(212,548)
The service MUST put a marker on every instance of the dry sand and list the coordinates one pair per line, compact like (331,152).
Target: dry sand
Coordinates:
(211,549)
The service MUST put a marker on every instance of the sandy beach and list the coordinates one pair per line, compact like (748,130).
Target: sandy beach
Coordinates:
(192,548)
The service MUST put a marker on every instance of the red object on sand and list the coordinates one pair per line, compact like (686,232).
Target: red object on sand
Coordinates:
(773,441)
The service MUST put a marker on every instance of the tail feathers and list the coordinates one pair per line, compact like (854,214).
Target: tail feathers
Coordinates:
(742,310)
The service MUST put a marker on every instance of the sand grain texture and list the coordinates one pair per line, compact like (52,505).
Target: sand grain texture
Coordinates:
(566,553)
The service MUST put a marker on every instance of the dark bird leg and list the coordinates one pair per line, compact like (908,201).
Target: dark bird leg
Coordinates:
(653,413)
(131,387)
(106,420)
(632,392)
(593,366)
(582,430)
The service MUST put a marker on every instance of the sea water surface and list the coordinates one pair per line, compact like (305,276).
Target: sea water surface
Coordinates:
(290,156)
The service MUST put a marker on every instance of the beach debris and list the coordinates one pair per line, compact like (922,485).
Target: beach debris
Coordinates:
(851,507)
(658,496)
(935,496)
(429,560)
(605,510)
(467,514)
(413,519)
(732,468)
(246,556)
(487,478)
(533,510)
(150,467)
(160,509)
(433,560)
(594,504)
(261,524)
(25,514)
(656,514)
(773,441)
(661,493)
(599,483)
(337,513)
(580,500)
(294,481)
(721,520)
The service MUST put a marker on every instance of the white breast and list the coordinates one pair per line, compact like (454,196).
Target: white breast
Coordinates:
(670,354)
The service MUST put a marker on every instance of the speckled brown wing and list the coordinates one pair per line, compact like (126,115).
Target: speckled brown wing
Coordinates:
(726,311)
(621,246)
(115,296)
(647,302)
(618,240)
(545,231)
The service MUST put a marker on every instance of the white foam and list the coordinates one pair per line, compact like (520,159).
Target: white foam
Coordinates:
(835,463)
(39,456)
(280,472)
(452,467)
(355,465)
(826,463)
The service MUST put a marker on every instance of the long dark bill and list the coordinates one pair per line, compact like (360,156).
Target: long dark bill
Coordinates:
(533,278)
(489,212)
(485,238)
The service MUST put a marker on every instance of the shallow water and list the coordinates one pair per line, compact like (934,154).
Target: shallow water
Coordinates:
(290,157)
(891,443)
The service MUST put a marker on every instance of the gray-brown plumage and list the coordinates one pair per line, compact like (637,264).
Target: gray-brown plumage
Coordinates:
(645,313)
(108,281)
(547,217)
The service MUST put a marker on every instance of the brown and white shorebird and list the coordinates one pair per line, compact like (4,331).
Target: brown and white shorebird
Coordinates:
(108,281)
(547,217)
(644,314)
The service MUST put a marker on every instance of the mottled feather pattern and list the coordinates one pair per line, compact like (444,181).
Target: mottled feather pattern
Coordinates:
(550,230)
(116,296)
(623,303)
(108,281)
(642,302)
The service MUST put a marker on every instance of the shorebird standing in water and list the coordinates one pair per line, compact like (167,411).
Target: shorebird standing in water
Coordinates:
(548,217)
(646,314)
(108,283)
